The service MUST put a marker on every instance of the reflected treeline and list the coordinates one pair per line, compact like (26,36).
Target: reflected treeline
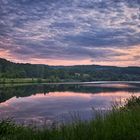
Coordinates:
(28,90)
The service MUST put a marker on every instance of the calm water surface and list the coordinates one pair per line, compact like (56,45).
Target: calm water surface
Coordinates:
(41,104)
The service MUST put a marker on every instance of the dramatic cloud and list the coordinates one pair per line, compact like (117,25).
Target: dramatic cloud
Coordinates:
(70,31)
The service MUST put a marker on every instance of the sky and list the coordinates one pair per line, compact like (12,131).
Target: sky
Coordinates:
(70,32)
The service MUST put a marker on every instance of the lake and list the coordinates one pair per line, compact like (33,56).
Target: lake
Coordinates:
(45,104)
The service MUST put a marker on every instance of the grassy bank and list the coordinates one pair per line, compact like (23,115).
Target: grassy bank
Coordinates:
(23,80)
(119,124)
(34,80)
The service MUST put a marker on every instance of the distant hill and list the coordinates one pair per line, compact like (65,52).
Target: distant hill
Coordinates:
(68,73)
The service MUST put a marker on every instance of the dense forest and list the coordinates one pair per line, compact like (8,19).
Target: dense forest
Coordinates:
(68,73)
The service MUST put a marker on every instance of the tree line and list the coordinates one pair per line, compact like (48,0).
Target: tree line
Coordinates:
(68,73)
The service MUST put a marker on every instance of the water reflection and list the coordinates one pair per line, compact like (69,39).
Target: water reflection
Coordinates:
(48,103)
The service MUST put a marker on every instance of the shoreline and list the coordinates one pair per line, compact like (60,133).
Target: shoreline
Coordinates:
(15,83)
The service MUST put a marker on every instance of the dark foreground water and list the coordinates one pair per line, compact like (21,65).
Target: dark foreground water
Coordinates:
(42,104)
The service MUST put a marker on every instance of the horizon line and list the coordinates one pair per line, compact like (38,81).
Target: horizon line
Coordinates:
(66,65)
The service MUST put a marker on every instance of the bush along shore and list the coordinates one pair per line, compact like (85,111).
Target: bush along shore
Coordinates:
(121,123)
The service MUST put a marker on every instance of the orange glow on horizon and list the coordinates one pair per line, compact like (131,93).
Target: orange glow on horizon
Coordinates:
(130,57)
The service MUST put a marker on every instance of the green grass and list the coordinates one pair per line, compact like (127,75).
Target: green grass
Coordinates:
(22,80)
(119,124)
